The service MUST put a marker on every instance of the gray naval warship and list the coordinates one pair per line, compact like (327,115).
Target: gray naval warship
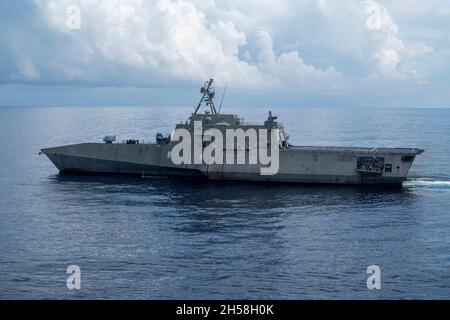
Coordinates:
(296,164)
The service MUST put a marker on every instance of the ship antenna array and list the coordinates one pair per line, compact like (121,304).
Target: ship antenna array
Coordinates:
(223,96)
(208,94)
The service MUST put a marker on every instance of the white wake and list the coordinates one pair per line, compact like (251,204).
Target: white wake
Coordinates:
(427,183)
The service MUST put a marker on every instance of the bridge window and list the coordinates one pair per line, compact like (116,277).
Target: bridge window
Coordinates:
(407,158)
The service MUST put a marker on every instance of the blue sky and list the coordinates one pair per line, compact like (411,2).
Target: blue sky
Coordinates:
(270,53)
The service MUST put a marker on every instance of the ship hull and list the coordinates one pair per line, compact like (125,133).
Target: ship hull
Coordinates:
(319,165)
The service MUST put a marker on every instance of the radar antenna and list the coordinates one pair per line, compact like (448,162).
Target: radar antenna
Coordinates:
(208,94)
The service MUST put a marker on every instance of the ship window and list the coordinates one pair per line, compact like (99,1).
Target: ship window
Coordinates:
(407,158)
(388,168)
(370,164)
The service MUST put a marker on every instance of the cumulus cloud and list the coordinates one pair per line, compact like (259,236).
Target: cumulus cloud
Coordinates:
(254,44)
(159,42)
(393,54)
(289,67)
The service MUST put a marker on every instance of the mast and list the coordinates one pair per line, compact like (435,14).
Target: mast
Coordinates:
(208,94)
(223,96)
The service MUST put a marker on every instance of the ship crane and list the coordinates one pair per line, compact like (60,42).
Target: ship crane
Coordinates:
(208,94)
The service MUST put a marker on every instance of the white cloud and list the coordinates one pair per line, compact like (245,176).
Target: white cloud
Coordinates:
(155,42)
(394,56)
(302,44)
(26,69)
(289,66)
(388,60)
(165,41)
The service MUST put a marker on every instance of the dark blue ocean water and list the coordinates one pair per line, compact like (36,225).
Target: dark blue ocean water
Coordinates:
(161,238)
